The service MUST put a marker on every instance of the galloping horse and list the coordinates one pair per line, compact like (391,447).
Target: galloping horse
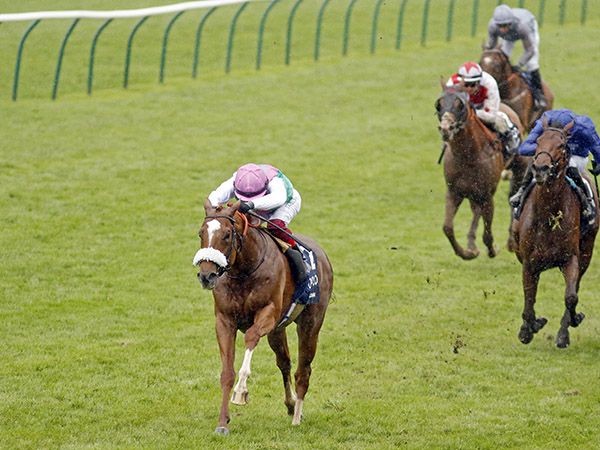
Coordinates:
(473,162)
(514,90)
(252,287)
(549,233)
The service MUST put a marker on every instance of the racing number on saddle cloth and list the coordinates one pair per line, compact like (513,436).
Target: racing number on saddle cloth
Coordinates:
(308,292)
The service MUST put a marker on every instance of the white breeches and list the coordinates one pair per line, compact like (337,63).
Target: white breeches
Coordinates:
(289,210)
(580,162)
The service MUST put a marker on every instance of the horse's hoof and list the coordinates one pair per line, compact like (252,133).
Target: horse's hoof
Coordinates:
(577,319)
(525,334)
(562,340)
(538,324)
(223,431)
(239,398)
(493,252)
(470,254)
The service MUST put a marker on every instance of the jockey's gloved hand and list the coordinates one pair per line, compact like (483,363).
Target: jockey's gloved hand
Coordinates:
(595,168)
(245,207)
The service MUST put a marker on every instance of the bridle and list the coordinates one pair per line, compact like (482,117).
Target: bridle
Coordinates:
(563,156)
(237,242)
(459,119)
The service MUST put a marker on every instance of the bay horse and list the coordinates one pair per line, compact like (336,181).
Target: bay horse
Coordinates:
(549,233)
(252,287)
(473,162)
(514,90)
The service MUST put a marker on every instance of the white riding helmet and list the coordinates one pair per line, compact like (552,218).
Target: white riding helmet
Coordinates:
(470,72)
(503,15)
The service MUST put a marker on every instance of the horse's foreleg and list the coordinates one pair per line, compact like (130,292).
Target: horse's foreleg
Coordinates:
(531,325)
(472,235)
(570,317)
(226,333)
(453,201)
(487,209)
(278,342)
(264,322)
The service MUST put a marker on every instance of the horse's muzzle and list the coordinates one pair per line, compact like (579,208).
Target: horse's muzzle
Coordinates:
(540,174)
(208,280)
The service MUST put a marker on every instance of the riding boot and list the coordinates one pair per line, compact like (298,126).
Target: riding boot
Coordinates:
(296,264)
(511,140)
(515,200)
(587,202)
(539,98)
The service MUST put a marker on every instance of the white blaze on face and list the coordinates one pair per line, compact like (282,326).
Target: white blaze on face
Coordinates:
(213,226)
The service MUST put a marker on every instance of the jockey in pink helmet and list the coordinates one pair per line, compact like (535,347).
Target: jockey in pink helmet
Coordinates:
(267,191)
(485,98)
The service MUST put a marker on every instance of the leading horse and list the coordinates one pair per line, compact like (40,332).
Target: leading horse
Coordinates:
(473,162)
(252,286)
(549,233)
(514,90)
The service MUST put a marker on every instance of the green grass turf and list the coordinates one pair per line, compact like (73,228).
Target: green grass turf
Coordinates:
(107,340)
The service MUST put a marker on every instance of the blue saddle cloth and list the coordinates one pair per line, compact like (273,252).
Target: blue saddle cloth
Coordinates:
(307,293)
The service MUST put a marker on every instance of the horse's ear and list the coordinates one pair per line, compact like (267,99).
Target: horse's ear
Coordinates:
(569,127)
(207,205)
(544,122)
(442,84)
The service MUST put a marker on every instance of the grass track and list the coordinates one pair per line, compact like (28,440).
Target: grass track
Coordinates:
(107,340)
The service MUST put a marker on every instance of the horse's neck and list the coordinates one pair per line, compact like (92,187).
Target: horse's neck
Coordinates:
(472,137)
(252,250)
(548,198)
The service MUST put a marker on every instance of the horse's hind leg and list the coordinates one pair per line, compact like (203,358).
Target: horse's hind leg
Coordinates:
(453,201)
(531,325)
(278,342)
(309,325)
(571,317)
(488,216)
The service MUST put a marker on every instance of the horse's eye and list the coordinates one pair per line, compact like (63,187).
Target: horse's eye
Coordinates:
(227,235)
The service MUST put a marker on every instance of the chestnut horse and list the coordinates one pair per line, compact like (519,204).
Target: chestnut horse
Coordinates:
(473,163)
(514,90)
(252,286)
(549,233)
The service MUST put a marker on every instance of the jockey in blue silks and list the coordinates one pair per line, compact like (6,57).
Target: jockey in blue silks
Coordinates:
(582,140)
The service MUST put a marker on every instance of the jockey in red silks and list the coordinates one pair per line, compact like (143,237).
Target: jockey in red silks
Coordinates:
(485,98)
(267,191)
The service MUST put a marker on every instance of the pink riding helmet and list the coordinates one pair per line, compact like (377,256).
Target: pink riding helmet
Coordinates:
(250,182)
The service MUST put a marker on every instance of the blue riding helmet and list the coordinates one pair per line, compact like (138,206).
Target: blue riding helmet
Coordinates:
(559,118)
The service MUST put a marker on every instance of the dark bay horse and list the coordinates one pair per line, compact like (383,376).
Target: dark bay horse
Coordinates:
(473,162)
(514,90)
(549,233)
(252,286)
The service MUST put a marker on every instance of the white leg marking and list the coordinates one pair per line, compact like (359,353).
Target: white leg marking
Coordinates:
(297,412)
(240,390)
(212,226)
